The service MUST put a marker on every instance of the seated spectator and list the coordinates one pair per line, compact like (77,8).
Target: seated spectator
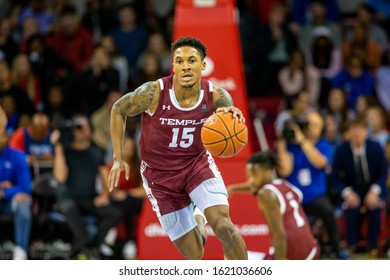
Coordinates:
(56,108)
(304,160)
(362,104)
(361,46)
(97,80)
(381,13)
(158,46)
(37,9)
(366,18)
(332,132)
(118,62)
(30,28)
(359,173)
(99,19)
(297,75)
(354,80)
(8,46)
(36,141)
(280,203)
(326,57)
(348,9)
(24,106)
(377,126)
(9,106)
(318,17)
(76,167)
(274,44)
(302,11)
(129,195)
(130,38)
(70,40)
(49,67)
(382,82)
(15,191)
(387,156)
(149,70)
(337,106)
(24,78)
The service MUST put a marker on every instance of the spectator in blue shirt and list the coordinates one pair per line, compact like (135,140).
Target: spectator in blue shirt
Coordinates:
(304,158)
(130,39)
(15,191)
(37,9)
(354,80)
(300,10)
(382,7)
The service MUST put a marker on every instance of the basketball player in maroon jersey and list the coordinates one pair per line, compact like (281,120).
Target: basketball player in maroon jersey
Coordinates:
(280,203)
(176,169)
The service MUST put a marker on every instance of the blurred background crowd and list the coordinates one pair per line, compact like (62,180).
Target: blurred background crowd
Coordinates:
(63,63)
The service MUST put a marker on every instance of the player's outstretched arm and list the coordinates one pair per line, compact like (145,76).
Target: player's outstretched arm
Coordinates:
(223,102)
(3,119)
(242,187)
(270,207)
(133,103)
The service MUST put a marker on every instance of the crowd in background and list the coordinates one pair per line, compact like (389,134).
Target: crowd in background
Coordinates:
(63,63)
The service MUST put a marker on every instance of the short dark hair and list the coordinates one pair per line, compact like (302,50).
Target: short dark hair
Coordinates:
(321,2)
(358,121)
(191,42)
(265,159)
(68,10)
(369,9)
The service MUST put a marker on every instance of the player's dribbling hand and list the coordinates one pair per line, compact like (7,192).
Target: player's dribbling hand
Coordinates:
(236,112)
(115,172)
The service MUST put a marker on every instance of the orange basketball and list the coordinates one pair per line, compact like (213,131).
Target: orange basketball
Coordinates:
(224,136)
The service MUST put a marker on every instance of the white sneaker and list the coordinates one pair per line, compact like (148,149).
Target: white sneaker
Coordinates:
(111,237)
(106,250)
(19,253)
(129,250)
(200,213)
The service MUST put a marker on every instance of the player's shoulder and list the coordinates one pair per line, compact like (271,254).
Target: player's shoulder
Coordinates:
(267,194)
(164,83)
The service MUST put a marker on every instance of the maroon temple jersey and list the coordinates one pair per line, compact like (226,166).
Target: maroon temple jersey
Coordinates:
(301,243)
(170,138)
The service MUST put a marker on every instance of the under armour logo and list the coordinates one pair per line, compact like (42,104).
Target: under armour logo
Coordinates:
(204,108)
(167,107)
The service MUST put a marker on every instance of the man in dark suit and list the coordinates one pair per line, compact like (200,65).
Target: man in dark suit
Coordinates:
(359,173)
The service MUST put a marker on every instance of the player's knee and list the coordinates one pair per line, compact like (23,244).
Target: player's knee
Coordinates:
(193,253)
(225,230)
(190,248)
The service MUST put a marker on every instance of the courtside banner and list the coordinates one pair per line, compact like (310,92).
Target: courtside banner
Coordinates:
(187,270)
(216,24)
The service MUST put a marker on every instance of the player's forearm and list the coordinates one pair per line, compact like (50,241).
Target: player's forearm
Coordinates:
(280,246)
(285,160)
(240,187)
(117,129)
(3,119)
(60,169)
(313,154)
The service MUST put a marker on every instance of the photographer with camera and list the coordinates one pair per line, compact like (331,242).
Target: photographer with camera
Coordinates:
(304,158)
(76,168)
